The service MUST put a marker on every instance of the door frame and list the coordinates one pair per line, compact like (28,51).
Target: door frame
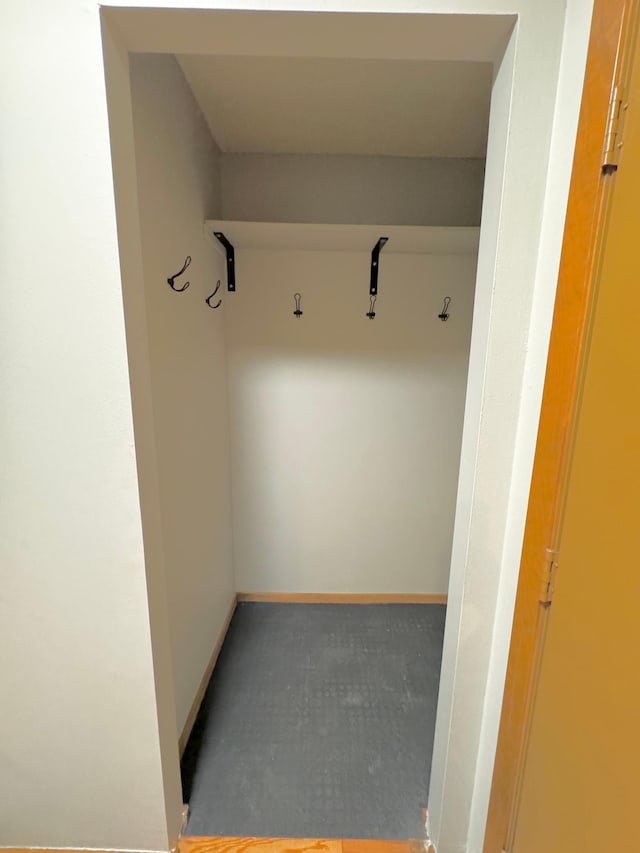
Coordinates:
(588,199)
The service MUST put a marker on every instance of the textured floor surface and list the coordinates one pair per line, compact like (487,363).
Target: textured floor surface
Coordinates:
(318,722)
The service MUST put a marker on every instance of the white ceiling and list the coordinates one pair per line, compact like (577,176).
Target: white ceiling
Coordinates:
(300,105)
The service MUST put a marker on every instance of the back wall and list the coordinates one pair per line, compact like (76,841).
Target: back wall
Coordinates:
(345,432)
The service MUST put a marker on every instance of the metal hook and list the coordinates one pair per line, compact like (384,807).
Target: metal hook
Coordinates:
(209,298)
(444,315)
(371,312)
(298,312)
(172,278)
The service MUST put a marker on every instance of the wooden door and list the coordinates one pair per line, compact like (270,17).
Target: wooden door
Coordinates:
(581,776)
(607,66)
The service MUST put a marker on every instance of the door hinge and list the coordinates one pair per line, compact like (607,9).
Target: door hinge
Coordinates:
(548,578)
(613,132)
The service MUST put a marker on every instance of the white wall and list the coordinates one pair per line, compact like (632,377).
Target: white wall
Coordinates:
(81,717)
(470,610)
(346,431)
(178,187)
(351,189)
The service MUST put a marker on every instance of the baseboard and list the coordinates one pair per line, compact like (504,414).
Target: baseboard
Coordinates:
(346,597)
(195,707)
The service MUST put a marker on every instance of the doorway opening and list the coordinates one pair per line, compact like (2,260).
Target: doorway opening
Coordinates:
(323,251)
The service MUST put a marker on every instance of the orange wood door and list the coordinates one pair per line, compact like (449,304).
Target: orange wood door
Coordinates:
(588,197)
(581,784)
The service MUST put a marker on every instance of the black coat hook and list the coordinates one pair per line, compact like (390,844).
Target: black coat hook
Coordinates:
(172,278)
(298,312)
(444,314)
(209,298)
(372,304)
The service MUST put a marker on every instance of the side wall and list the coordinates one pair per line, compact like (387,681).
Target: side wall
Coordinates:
(345,431)
(352,189)
(81,717)
(178,187)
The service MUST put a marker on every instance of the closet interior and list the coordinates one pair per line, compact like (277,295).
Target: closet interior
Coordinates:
(309,236)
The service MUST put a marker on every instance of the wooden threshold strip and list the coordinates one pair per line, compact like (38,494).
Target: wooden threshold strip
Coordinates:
(346,597)
(296,845)
(265,845)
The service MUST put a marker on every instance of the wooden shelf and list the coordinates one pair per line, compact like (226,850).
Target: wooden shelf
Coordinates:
(409,239)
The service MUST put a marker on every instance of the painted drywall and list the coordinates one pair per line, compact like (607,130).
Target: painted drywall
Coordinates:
(70,336)
(80,726)
(116,65)
(351,189)
(451,793)
(346,431)
(178,187)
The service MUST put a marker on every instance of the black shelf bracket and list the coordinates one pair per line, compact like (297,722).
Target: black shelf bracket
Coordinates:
(375,264)
(231,260)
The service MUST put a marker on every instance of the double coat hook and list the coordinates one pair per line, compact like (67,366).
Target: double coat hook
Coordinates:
(444,314)
(209,298)
(371,313)
(172,278)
